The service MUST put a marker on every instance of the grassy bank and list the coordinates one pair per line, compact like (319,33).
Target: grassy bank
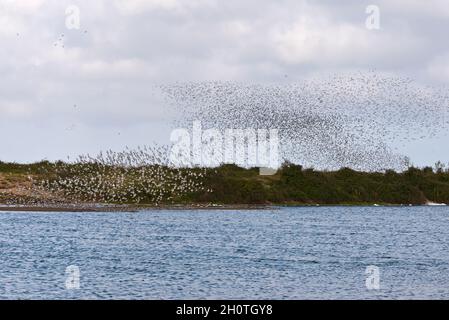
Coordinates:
(228,184)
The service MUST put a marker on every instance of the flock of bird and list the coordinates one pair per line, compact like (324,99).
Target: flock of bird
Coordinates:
(131,176)
(349,120)
(354,120)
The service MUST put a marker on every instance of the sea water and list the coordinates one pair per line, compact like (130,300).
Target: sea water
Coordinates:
(280,253)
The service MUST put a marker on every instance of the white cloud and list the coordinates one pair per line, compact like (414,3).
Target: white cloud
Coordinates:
(22,6)
(133,44)
(131,7)
(237,28)
(321,41)
(15,109)
(439,67)
(437,8)
(10,26)
(119,68)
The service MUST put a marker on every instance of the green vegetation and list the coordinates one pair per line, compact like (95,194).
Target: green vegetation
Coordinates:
(291,185)
(294,185)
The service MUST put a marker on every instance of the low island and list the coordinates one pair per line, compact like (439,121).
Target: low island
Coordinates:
(47,186)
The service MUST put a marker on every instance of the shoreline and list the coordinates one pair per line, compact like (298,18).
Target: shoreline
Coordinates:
(127,208)
(224,187)
(137,208)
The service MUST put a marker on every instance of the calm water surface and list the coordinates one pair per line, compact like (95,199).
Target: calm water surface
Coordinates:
(290,253)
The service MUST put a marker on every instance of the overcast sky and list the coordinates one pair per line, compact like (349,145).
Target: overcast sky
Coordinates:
(69,91)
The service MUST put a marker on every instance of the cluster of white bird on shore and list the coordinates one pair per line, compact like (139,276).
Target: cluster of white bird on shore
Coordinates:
(142,175)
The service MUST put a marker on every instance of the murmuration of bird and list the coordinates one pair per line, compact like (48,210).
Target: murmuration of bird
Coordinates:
(357,120)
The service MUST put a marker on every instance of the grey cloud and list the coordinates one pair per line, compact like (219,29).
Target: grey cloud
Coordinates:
(111,66)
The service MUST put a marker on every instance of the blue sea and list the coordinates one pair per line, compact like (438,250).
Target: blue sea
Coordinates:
(280,253)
